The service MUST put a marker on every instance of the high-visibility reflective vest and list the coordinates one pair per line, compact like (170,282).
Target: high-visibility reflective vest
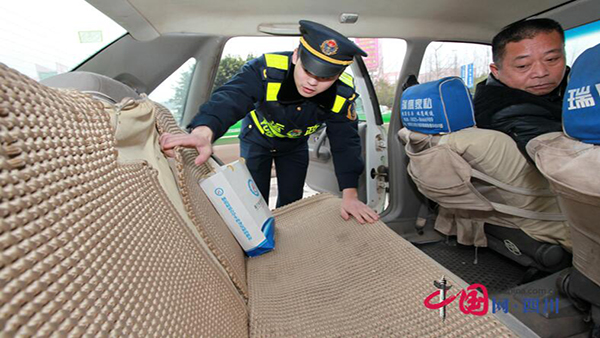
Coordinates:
(277,66)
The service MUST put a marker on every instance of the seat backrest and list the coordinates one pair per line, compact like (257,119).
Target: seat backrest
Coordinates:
(204,216)
(572,165)
(91,245)
(483,174)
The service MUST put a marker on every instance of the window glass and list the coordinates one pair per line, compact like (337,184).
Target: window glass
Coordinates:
(172,92)
(384,60)
(466,60)
(581,38)
(44,38)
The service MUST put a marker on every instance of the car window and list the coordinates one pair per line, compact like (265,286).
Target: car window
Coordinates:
(172,92)
(467,60)
(581,38)
(44,38)
(384,60)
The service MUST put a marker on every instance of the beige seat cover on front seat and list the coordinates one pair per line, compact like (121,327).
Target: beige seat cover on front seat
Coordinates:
(454,171)
(573,169)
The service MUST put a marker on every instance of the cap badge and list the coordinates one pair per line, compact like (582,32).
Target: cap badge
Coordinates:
(329,47)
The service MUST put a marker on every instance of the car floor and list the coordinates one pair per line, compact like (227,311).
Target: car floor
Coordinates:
(496,272)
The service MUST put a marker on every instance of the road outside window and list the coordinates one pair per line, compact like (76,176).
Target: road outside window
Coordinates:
(466,60)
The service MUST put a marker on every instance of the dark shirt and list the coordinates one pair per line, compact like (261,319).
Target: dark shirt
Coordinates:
(517,113)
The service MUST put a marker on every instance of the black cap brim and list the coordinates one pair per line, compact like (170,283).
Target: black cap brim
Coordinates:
(317,66)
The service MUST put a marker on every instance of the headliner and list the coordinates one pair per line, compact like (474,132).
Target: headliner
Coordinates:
(464,20)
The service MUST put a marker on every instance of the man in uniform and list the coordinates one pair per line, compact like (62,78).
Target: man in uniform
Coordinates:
(282,99)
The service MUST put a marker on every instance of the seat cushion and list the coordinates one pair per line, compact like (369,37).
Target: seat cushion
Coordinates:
(333,278)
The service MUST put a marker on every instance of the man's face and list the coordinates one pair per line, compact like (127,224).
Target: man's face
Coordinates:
(535,65)
(309,85)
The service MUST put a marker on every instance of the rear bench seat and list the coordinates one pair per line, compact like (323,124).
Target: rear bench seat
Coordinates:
(103,235)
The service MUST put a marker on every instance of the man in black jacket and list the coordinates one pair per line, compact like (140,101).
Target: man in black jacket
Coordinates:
(523,95)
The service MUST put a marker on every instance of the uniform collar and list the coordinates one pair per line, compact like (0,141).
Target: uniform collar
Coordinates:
(288,94)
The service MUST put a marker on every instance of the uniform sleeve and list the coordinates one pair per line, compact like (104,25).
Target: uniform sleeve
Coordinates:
(523,122)
(233,100)
(342,131)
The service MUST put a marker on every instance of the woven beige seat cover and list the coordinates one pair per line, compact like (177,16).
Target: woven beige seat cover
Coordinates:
(206,219)
(332,278)
(89,246)
(571,167)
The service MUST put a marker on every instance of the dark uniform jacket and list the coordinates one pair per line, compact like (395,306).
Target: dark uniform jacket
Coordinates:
(521,115)
(268,101)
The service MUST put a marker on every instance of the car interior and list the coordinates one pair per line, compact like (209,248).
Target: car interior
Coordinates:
(104,234)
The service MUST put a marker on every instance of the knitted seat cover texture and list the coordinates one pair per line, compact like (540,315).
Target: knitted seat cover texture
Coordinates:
(206,219)
(333,278)
(90,246)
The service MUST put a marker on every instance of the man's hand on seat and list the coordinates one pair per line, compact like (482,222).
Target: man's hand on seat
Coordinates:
(199,139)
(352,206)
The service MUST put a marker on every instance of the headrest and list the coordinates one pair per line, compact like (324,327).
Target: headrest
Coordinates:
(100,86)
(581,106)
(437,107)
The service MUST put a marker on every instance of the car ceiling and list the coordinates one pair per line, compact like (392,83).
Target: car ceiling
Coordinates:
(465,20)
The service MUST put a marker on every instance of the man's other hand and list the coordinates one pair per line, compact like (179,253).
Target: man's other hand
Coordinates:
(352,206)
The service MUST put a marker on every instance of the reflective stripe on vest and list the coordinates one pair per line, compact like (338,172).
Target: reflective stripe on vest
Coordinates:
(272,129)
(273,90)
(338,104)
(277,61)
(347,79)
(268,128)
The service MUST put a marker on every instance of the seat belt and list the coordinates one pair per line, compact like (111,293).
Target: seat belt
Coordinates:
(510,210)
(517,190)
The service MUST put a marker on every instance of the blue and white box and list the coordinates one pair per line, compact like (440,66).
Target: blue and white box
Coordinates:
(236,197)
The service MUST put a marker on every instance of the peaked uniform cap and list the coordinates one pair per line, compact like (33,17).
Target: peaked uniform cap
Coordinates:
(325,52)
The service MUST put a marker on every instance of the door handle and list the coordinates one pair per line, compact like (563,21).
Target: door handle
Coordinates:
(324,154)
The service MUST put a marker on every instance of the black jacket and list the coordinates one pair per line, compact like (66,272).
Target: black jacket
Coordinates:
(521,115)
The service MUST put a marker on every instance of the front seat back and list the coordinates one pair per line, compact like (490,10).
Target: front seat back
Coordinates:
(478,176)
